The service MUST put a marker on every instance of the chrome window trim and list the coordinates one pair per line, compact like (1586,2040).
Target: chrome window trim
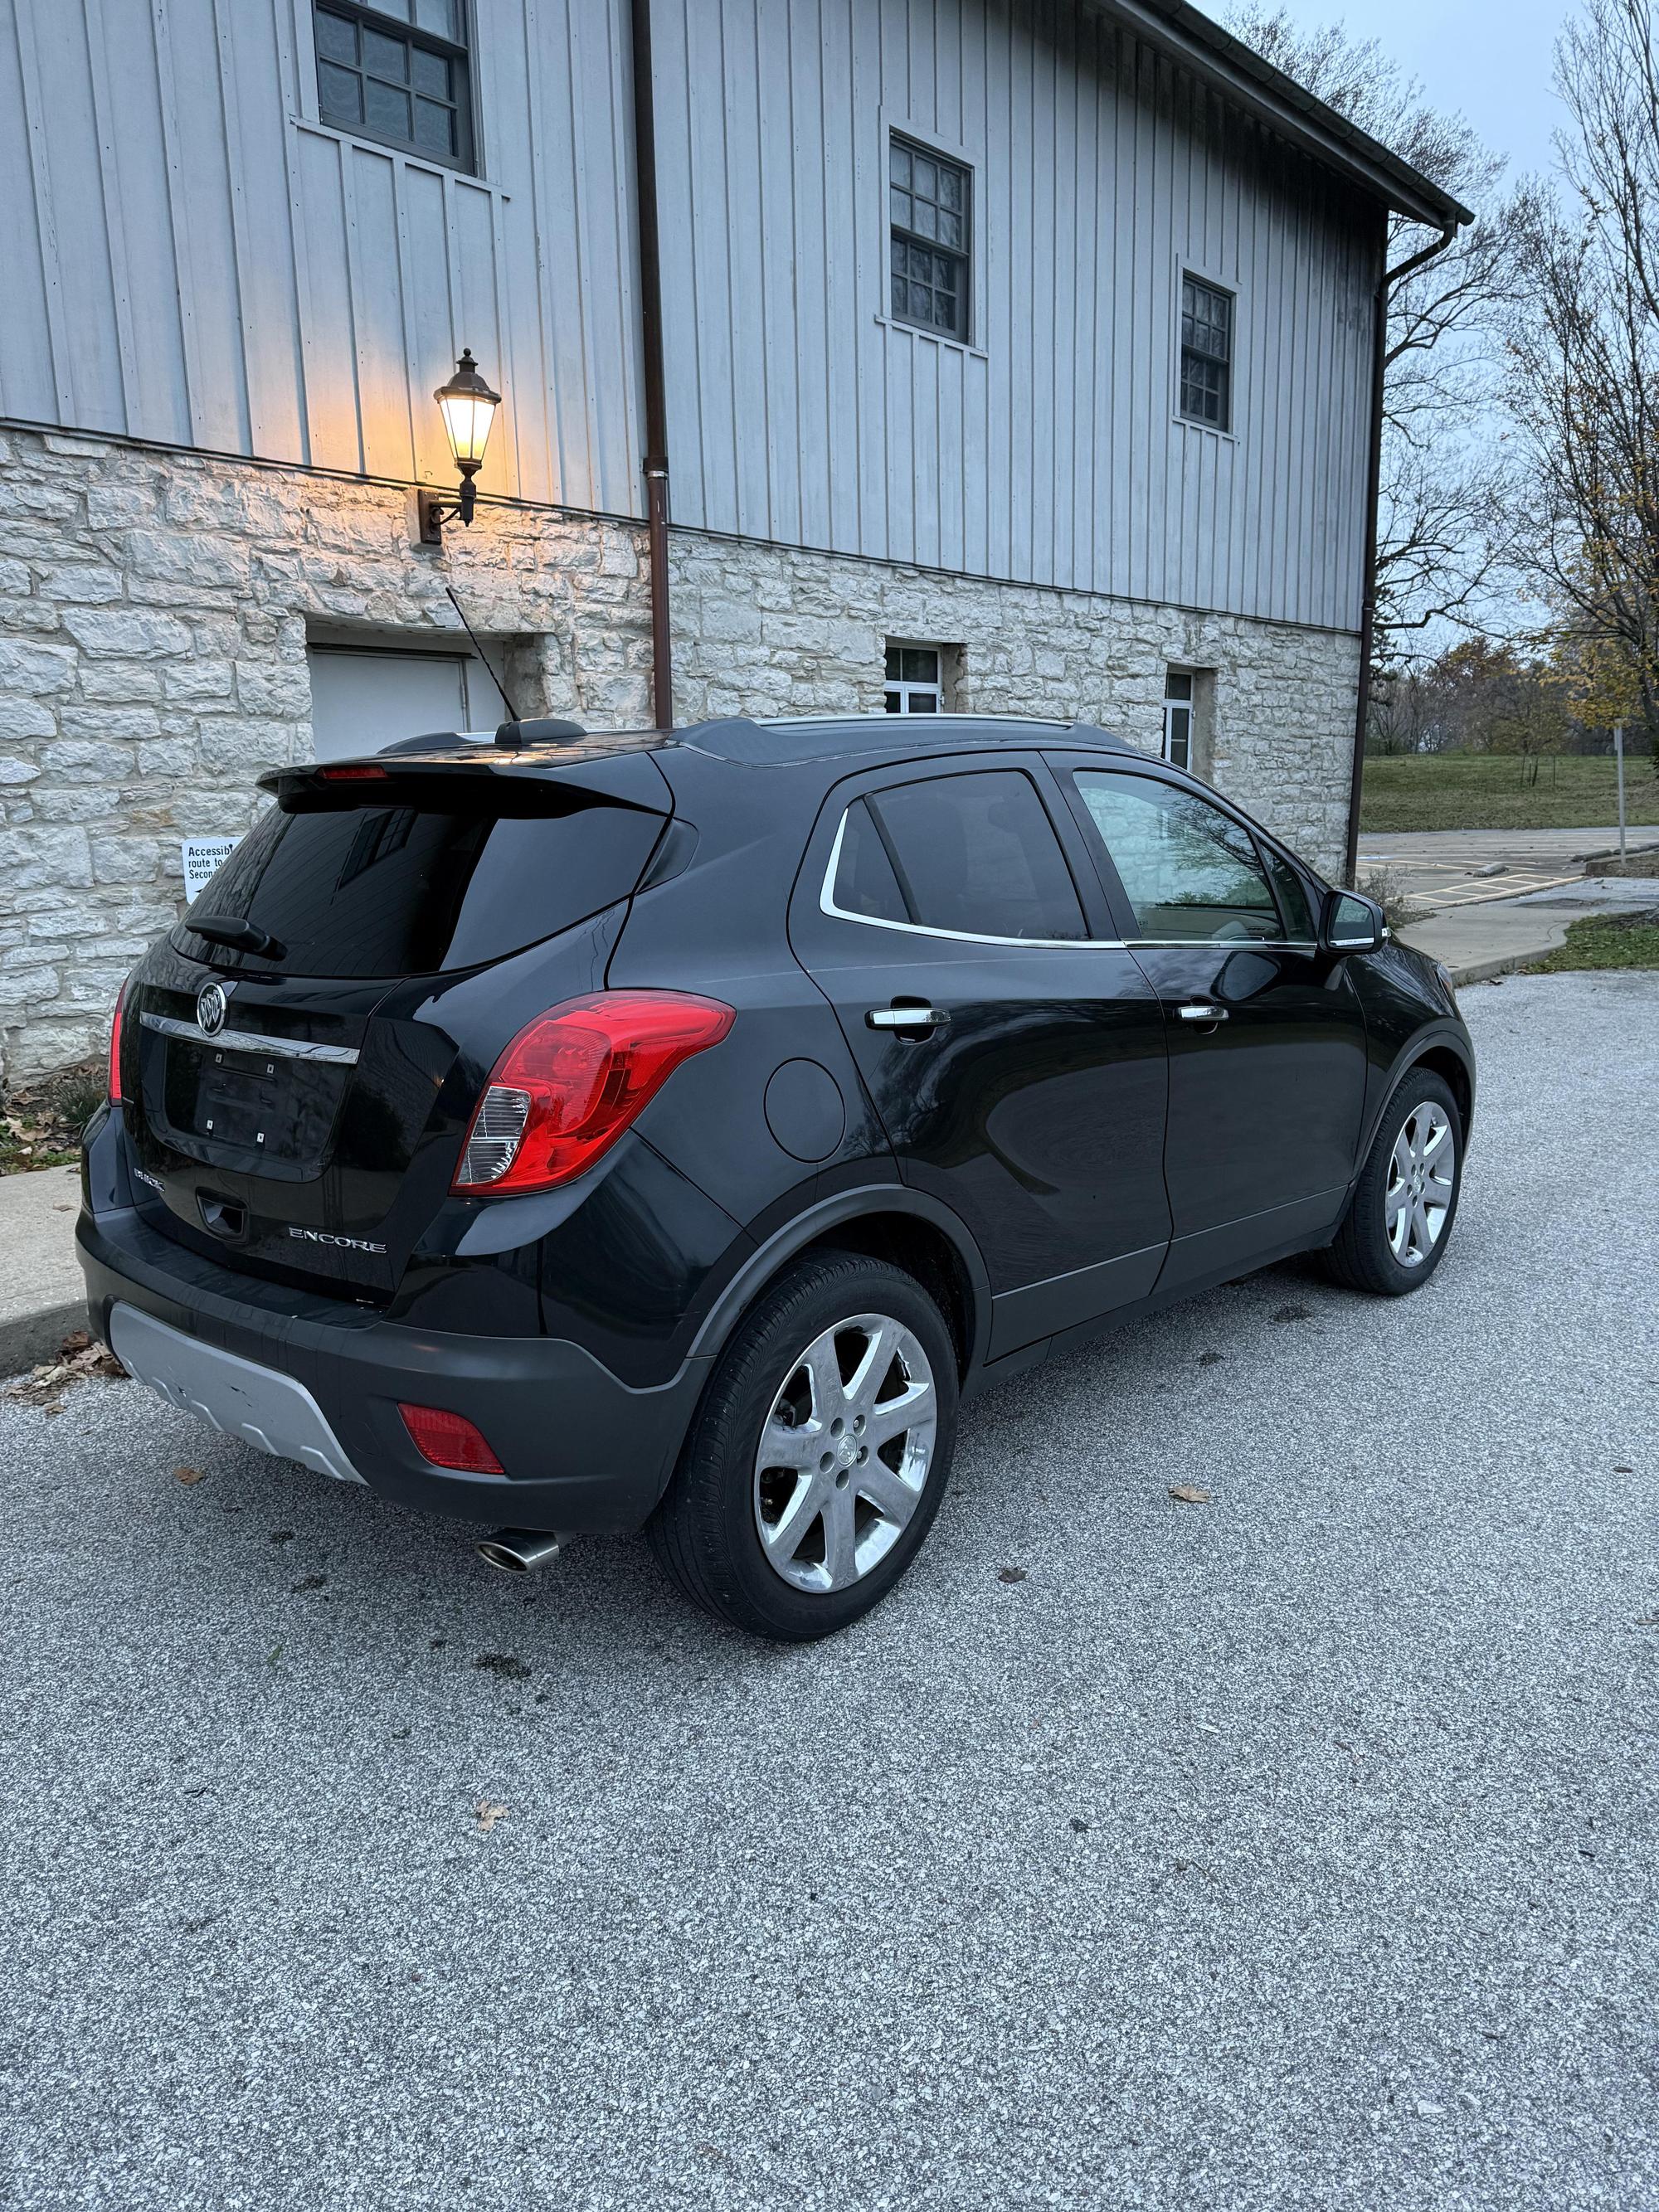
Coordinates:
(1232,944)
(827,905)
(275,1048)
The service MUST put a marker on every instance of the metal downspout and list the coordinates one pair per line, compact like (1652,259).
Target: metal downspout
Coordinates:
(1373,510)
(656,412)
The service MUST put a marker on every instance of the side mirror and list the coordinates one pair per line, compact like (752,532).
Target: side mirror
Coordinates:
(1353,923)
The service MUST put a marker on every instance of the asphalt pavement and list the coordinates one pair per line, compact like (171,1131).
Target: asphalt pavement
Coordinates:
(1439,869)
(1296,1850)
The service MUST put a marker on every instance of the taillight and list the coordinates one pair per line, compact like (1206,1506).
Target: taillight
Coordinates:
(449,1440)
(114,1086)
(570,1083)
(354,774)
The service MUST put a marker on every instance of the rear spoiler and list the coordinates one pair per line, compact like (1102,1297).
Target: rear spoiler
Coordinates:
(628,778)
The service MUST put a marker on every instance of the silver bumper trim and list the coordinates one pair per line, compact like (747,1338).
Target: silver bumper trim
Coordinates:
(262,1407)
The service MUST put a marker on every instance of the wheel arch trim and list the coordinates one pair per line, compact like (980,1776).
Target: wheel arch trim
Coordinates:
(1440,1040)
(863,1203)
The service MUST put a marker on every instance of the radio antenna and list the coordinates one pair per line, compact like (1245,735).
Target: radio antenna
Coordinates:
(513,711)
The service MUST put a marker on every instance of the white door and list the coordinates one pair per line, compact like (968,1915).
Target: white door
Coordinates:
(363,698)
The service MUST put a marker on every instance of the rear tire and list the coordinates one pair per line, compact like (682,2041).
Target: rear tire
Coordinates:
(819,1457)
(1400,1219)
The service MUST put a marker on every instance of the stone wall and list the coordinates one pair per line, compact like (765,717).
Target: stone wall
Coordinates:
(154,613)
(761,630)
(152,625)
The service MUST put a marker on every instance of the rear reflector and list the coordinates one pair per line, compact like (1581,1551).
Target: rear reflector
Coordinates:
(449,1440)
(570,1083)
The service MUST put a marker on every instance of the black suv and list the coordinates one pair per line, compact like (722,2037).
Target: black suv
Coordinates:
(585,1132)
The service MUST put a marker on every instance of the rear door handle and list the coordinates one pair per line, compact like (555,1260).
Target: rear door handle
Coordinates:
(1201,1010)
(906,1017)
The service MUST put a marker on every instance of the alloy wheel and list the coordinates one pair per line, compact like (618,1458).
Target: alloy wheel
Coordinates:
(1422,1181)
(844,1454)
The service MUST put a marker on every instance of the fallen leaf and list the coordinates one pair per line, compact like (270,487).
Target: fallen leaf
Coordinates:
(1188,1493)
(1011,1574)
(187,1475)
(78,1357)
(489,1814)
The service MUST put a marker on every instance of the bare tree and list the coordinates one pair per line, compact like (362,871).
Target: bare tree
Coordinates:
(1445,526)
(1584,346)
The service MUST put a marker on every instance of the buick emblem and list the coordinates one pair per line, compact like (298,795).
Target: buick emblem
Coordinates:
(210,1009)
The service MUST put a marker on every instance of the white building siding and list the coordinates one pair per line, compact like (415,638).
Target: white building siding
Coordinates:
(1048,449)
(190,257)
(194,258)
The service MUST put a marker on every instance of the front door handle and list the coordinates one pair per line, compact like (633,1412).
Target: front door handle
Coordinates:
(1202,1010)
(917,1017)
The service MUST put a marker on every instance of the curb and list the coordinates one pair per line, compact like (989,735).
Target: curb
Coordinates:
(29,1340)
(1485,971)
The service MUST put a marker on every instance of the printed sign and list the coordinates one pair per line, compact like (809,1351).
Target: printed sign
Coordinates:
(203,857)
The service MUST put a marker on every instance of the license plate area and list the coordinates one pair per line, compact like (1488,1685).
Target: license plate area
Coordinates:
(238,1098)
(252,1110)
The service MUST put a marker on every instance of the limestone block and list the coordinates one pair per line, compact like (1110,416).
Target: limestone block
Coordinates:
(136,631)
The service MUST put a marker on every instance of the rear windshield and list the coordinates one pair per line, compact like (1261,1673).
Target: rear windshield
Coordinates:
(350,888)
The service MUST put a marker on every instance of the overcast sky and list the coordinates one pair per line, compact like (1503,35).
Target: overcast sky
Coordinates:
(1489,58)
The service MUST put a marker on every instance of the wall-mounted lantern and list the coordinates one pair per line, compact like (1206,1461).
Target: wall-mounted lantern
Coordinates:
(468,407)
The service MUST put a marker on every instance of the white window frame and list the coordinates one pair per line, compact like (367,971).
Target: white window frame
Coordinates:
(1173,708)
(903,690)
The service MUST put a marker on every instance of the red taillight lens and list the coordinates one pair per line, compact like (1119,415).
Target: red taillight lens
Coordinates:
(449,1440)
(114,1091)
(352,775)
(570,1083)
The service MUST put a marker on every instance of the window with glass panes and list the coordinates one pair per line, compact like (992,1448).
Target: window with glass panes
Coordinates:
(397,72)
(1207,353)
(928,204)
(1178,718)
(916,679)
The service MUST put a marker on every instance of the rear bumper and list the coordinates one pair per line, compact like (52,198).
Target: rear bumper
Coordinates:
(585,1454)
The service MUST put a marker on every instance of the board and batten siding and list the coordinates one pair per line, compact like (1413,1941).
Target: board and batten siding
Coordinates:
(1048,449)
(189,256)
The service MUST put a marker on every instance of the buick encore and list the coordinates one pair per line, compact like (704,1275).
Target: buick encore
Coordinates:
(589,1133)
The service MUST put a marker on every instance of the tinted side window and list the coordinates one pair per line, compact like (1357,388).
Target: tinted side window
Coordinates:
(978,855)
(865,882)
(1190,871)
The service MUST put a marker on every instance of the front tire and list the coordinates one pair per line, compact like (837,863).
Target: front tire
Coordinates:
(819,1454)
(1400,1219)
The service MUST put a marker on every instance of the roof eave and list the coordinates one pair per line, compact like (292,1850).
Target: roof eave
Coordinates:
(1203,47)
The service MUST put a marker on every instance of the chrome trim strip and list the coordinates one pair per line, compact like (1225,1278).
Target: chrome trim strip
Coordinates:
(274,1048)
(1222,944)
(827,905)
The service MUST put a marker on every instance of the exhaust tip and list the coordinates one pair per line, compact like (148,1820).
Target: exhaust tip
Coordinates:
(518,1550)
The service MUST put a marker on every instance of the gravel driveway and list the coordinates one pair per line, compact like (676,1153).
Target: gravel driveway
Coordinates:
(1297,1849)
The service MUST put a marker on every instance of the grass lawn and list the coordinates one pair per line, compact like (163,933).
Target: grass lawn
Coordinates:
(1607,940)
(1493,791)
